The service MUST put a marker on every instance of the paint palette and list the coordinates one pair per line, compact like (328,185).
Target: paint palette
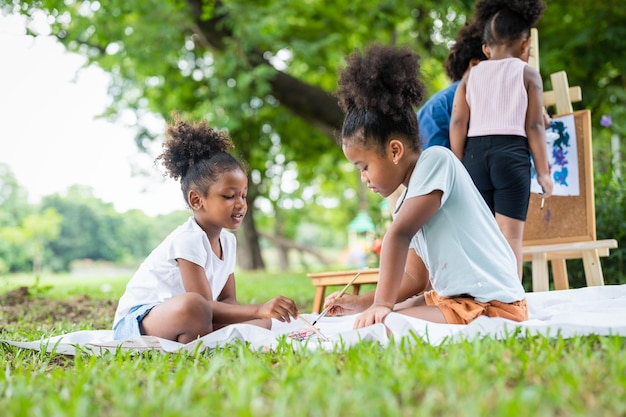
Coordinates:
(304,334)
(311,332)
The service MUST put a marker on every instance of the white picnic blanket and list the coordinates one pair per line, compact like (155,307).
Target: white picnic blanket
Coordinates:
(583,311)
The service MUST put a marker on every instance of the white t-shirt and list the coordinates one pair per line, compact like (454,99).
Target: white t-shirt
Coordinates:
(158,278)
(461,245)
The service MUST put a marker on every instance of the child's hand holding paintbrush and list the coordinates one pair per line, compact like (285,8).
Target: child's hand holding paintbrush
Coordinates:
(330,301)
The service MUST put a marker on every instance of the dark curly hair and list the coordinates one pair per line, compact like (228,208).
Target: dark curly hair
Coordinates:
(378,91)
(468,45)
(197,154)
(507,20)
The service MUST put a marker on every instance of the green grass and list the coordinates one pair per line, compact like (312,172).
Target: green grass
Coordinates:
(531,376)
(59,286)
(252,287)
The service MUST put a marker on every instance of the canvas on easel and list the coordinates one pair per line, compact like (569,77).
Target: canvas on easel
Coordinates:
(570,216)
(564,226)
(562,152)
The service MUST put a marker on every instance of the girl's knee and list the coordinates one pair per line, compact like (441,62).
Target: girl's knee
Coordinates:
(183,318)
(193,305)
(194,315)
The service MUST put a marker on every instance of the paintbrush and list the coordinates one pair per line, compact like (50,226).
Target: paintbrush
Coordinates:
(315,329)
(342,292)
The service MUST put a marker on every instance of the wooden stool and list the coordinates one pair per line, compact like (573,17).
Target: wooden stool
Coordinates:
(325,279)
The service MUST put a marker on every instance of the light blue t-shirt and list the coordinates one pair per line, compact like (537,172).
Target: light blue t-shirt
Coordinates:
(461,245)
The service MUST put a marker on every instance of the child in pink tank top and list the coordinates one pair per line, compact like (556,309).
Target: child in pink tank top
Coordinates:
(498,117)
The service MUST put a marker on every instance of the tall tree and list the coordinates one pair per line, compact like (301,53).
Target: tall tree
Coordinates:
(14,208)
(266,70)
(587,39)
(90,229)
(13,198)
(38,230)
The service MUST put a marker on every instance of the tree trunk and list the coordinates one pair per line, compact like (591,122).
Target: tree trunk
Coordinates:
(288,244)
(283,251)
(249,255)
(37,265)
(313,104)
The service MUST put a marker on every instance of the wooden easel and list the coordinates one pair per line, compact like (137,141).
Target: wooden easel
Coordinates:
(579,242)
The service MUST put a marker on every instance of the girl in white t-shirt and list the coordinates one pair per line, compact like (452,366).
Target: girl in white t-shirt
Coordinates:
(443,236)
(186,287)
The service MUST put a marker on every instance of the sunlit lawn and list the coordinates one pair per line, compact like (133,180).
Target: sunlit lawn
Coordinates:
(532,376)
(66,285)
(252,287)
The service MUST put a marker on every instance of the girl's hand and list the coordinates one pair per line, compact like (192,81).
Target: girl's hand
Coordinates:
(279,308)
(545,181)
(374,314)
(344,305)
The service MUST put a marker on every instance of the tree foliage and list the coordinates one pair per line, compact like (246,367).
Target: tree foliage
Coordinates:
(13,198)
(89,228)
(38,231)
(14,208)
(267,70)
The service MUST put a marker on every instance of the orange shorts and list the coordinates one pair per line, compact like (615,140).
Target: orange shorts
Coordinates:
(462,310)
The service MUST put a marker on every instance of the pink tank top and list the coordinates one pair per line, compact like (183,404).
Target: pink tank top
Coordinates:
(497,98)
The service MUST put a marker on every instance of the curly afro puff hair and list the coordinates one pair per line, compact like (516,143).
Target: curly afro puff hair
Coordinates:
(189,143)
(507,20)
(384,79)
(197,154)
(378,91)
(468,45)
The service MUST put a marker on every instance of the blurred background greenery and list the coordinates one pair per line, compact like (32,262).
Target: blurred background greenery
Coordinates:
(266,71)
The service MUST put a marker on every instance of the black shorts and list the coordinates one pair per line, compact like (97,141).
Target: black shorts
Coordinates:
(500,168)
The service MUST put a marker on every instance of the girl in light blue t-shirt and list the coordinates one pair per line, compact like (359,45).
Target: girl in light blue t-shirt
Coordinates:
(443,238)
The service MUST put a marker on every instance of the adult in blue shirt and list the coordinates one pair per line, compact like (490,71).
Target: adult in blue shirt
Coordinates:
(434,115)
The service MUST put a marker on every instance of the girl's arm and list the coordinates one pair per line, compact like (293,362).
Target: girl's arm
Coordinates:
(225,309)
(459,120)
(535,128)
(414,282)
(415,212)
(229,293)
(194,278)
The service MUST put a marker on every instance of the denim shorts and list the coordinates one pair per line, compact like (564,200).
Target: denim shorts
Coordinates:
(129,327)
